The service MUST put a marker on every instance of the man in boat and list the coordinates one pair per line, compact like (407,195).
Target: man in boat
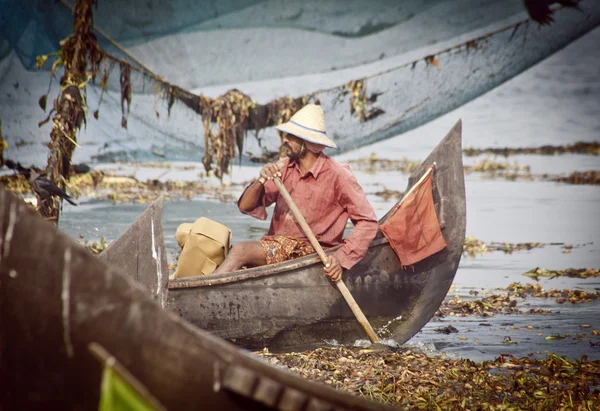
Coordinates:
(326,193)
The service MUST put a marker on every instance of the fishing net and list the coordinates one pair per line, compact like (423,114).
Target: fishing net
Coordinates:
(140,115)
(35,27)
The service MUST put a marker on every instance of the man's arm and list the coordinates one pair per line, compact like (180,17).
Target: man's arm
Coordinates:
(252,197)
(353,199)
(260,194)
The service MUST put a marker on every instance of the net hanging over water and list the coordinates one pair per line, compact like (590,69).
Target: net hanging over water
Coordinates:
(155,119)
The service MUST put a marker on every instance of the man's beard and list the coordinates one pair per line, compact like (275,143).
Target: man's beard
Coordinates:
(294,156)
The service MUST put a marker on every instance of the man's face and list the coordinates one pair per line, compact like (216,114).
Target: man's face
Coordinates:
(293,146)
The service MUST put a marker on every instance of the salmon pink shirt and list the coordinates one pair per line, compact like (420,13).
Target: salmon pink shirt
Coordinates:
(327,196)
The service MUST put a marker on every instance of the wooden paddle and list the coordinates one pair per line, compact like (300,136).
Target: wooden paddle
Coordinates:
(313,241)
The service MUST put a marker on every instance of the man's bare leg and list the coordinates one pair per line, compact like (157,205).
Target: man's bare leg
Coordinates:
(244,253)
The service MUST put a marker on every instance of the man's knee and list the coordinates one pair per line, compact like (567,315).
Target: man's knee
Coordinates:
(237,251)
(240,251)
(244,254)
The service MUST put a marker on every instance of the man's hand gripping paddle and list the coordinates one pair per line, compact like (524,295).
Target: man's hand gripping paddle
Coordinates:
(313,241)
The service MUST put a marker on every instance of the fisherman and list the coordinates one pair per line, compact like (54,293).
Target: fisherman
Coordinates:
(326,193)
(45,188)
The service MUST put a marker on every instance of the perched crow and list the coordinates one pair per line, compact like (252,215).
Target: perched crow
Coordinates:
(44,187)
(539,10)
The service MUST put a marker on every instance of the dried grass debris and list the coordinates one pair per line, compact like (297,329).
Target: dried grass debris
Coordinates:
(411,380)
(581,147)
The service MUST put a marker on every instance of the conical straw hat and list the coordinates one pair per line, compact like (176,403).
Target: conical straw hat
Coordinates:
(308,124)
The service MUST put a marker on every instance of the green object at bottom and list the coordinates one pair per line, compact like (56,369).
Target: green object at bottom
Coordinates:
(117,395)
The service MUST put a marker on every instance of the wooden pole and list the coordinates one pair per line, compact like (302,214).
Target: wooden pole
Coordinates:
(313,241)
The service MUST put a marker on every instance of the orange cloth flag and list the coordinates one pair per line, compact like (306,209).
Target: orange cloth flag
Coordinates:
(413,229)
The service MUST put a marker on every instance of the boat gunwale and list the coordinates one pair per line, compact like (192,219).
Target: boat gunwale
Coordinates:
(257,272)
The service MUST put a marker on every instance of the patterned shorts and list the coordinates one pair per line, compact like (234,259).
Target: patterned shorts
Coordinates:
(282,248)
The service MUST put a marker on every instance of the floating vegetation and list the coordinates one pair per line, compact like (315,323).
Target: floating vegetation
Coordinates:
(446,330)
(120,189)
(95,247)
(537,272)
(386,194)
(473,247)
(508,303)
(123,190)
(173,259)
(411,380)
(486,307)
(556,337)
(16,183)
(561,296)
(579,177)
(491,166)
(488,166)
(373,164)
(509,248)
(512,172)
(580,147)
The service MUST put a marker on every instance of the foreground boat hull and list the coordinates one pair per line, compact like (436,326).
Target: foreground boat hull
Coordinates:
(292,303)
(57,300)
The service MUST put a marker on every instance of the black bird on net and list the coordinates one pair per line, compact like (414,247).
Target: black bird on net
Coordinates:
(540,11)
(45,188)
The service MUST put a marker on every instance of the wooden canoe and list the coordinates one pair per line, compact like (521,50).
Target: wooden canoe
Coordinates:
(58,301)
(140,252)
(292,304)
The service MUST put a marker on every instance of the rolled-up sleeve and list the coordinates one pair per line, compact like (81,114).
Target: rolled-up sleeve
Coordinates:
(268,198)
(353,199)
